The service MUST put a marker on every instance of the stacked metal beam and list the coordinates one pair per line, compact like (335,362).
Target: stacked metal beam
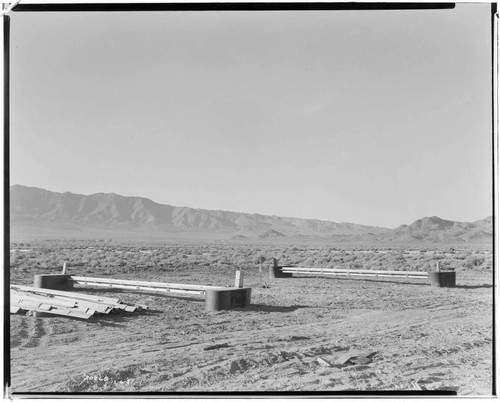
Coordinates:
(72,304)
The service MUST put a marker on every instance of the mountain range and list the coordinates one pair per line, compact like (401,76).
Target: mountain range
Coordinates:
(38,213)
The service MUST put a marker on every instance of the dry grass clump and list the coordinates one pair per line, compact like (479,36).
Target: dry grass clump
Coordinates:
(110,257)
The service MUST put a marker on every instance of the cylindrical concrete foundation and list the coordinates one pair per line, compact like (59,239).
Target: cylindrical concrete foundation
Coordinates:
(442,279)
(276,272)
(225,299)
(52,281)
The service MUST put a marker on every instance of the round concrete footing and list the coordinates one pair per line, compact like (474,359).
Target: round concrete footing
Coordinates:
(52,281)
(225,299)
(276,272)
(442,279)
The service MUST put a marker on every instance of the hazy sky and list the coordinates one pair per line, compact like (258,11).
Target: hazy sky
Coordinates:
(377,117)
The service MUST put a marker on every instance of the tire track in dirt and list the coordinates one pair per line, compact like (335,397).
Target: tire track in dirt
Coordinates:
(64,332)
(226,369)
(464,347)
(298,355)
(211,367)
(19,332)
(37,332)
(81,331)
(435,338)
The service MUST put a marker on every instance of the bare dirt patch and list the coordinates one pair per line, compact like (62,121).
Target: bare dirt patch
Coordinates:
(425,338)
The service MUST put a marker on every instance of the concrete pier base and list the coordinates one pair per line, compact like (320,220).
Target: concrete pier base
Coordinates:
(52,281)
(276,272)
(443,279)
(225,299)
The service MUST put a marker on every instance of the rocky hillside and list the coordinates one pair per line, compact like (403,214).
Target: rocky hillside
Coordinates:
(434,229)
(62,214)
(28,204)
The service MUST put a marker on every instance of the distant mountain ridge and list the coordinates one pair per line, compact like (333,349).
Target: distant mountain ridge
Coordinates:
(35,209)
(438,230)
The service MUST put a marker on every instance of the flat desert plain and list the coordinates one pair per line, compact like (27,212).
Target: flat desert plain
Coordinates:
(424,338)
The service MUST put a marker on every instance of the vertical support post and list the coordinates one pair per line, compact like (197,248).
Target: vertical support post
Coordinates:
(438,267)
(238,280)
(64,271)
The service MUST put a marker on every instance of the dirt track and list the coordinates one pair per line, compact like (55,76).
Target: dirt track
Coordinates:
(425,338)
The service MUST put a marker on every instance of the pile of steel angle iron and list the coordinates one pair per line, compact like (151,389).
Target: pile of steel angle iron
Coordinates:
(38,302)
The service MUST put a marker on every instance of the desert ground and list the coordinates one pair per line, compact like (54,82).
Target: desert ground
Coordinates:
(424,338)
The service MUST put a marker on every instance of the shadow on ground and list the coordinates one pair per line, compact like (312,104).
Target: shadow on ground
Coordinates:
(483,286)
(140,292)
(367,280)
(117,318)
(402,282)
(271,309)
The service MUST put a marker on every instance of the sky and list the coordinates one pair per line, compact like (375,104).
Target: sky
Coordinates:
(370,117)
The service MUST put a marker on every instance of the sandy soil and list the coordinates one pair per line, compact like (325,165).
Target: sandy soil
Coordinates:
(425,338)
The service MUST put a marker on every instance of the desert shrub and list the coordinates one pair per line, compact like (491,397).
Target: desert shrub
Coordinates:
(474,261)
(462,256)
(488,261)
(309,261)
(448,264)
(427,266)
(113,257)
(394,267)
(349,258)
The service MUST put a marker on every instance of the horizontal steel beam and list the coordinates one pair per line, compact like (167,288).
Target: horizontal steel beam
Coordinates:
(372,275)
(138,287)
(162,285)
(353,271)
